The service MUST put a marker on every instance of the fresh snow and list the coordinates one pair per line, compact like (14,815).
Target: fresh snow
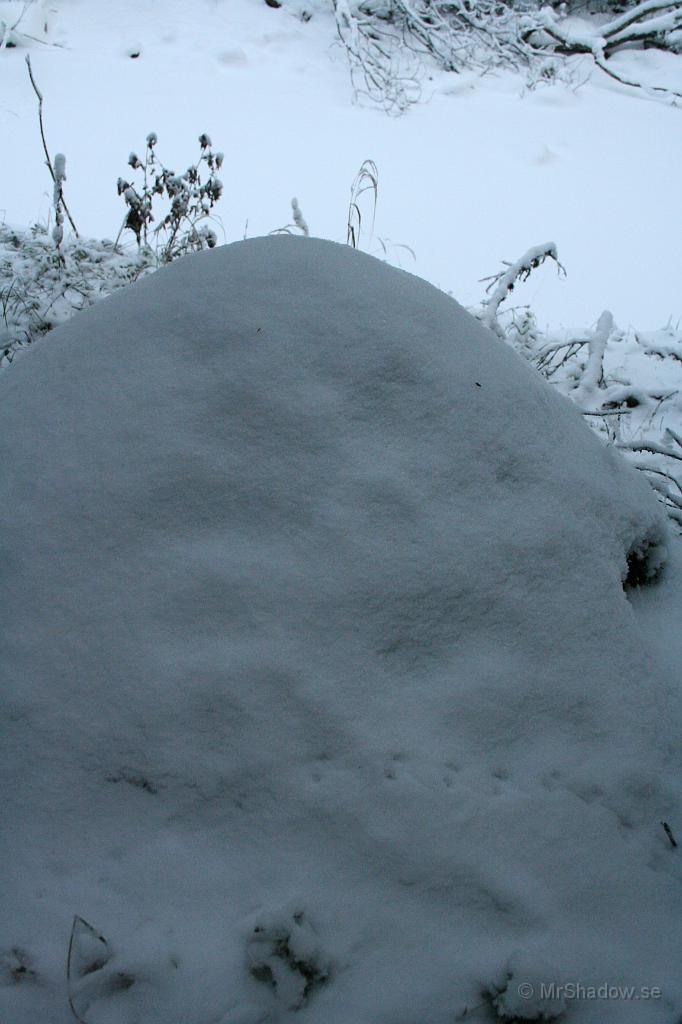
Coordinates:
(477,173)
(323,698)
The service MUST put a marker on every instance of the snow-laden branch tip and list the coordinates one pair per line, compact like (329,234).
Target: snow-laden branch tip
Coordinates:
(594,371)
(299,219)
(650,446)
(59,176)
(502,284)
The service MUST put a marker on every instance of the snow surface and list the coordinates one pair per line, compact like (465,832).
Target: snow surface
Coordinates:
(477,173)
(323,699)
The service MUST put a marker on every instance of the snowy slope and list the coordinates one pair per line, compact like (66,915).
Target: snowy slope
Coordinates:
(477,173)
(323,699)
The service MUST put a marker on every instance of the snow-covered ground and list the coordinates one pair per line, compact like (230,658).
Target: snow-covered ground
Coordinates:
(322,697)
(477,173)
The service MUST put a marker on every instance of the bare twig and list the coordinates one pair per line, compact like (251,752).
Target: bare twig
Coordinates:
(82,926)
(674,435)
(669,832)
(42,136)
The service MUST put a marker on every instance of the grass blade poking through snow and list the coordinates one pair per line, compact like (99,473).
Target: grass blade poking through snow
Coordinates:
(366,180)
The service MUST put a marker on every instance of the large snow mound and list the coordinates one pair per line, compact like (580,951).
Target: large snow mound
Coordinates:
(322,694)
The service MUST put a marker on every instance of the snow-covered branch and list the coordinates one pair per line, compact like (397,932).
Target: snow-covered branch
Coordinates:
(645,26)
(593,374)
(502,284)
(381,69)
(386,40)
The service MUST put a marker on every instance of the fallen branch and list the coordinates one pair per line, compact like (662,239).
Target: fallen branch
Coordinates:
(601,64)
(655,32)
(636,14)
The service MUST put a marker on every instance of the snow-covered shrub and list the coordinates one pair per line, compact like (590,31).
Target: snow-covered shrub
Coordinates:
(41,287)
(627,384)
(190,200)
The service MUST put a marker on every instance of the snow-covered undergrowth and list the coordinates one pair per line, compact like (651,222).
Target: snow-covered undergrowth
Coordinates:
(322,696)
(42,287)
(388,42)
(627,383)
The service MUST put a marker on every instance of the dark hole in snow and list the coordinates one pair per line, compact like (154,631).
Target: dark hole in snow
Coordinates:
(278,960)
(18,966)
(309,970)
(134,54)
(263,973)
(644,562)
(94,965)
(630,402)
(122,982)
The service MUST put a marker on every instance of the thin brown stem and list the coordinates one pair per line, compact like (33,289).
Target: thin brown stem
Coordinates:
(42,136)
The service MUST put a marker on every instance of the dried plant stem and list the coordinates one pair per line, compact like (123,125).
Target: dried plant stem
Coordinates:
(42,136)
